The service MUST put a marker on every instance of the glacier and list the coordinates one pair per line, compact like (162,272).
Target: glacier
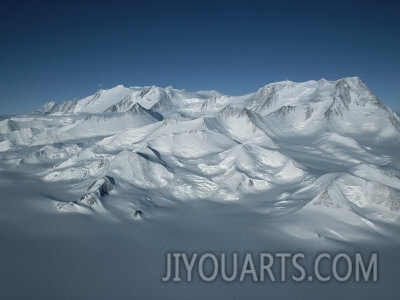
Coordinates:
(101,187)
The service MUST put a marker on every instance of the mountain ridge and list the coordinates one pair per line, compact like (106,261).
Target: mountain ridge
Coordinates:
(338,96)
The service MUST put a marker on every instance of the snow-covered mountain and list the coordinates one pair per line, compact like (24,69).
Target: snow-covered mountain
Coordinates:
(320,145)
(96,191)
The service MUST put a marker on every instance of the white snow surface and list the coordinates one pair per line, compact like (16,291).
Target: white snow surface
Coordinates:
(313,164)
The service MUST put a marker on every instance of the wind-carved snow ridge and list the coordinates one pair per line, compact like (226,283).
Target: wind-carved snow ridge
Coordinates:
(317,146)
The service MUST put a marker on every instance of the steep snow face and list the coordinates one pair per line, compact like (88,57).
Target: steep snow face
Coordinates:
(292,109)
(318,145)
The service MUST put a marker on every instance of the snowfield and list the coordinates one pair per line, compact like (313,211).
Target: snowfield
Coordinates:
(96,191)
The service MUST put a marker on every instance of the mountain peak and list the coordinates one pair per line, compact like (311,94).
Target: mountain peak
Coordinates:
(47,107)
